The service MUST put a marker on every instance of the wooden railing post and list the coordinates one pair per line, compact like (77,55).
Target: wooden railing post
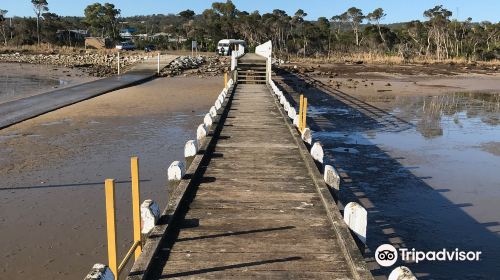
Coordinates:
(301,106)
(304,114)
(136,210)
(109,187)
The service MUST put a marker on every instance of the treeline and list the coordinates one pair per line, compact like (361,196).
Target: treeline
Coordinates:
(439,36)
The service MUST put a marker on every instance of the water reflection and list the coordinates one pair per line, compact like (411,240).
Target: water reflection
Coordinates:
(431,113)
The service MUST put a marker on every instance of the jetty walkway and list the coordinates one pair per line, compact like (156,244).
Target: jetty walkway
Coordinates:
(253,203)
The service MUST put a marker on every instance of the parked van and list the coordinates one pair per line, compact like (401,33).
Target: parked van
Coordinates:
(227,46)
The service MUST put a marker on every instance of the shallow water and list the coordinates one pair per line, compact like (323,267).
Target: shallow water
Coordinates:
(427,170)
(23,80)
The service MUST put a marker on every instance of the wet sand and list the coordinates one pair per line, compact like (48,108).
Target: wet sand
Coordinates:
(53,167)
(18,80)
(422,159)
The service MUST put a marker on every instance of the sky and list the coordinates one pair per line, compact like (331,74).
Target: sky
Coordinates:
(396,10)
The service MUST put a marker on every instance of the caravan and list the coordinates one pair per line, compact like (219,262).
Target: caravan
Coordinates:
(227,46)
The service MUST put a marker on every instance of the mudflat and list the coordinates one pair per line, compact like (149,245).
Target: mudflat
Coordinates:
(52,169)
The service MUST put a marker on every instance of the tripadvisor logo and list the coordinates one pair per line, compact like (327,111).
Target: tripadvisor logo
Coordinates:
(386,255)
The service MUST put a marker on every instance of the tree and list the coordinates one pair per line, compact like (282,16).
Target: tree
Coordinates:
(103,18)
(187,14)
(355,17)
(2,25)
(298,22)
(40,7)
(227,14)
(438,20)
(375,16)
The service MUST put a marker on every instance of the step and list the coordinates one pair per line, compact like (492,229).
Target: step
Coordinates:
(263,69)
(252,78)
(252,75)
(252,64)
(252,82)
(251,71)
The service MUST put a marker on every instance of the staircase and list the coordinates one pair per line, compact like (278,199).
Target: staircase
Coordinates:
(251,69)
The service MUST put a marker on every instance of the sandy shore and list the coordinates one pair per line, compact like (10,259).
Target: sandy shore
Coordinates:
(19,80)
(53,167)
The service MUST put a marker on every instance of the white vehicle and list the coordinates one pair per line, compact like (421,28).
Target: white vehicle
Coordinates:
(125,46)
(227,46)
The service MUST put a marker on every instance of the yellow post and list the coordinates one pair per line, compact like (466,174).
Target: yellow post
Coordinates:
(304,115)
(300,111)
(109,188)
(136,211)
(225,79)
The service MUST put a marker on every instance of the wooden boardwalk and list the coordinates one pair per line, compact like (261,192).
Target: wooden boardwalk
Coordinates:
(258,210)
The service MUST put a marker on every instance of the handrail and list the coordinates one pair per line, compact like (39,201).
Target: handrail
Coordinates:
(136,247)
(125,260)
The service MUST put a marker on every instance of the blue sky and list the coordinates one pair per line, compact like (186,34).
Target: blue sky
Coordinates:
(397,10)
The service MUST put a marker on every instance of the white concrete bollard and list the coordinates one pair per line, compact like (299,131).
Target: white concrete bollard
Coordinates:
(217,105)
(286,106)
(355,216)
(332,178)
(296,121)
(190,149)
(282,99)
(100,272)
(221,98)
(213,112)
(307,136)
(208,120)
(402,273)
(317,152)
(176,171)
(150,214)
(292,113)
(201,134)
